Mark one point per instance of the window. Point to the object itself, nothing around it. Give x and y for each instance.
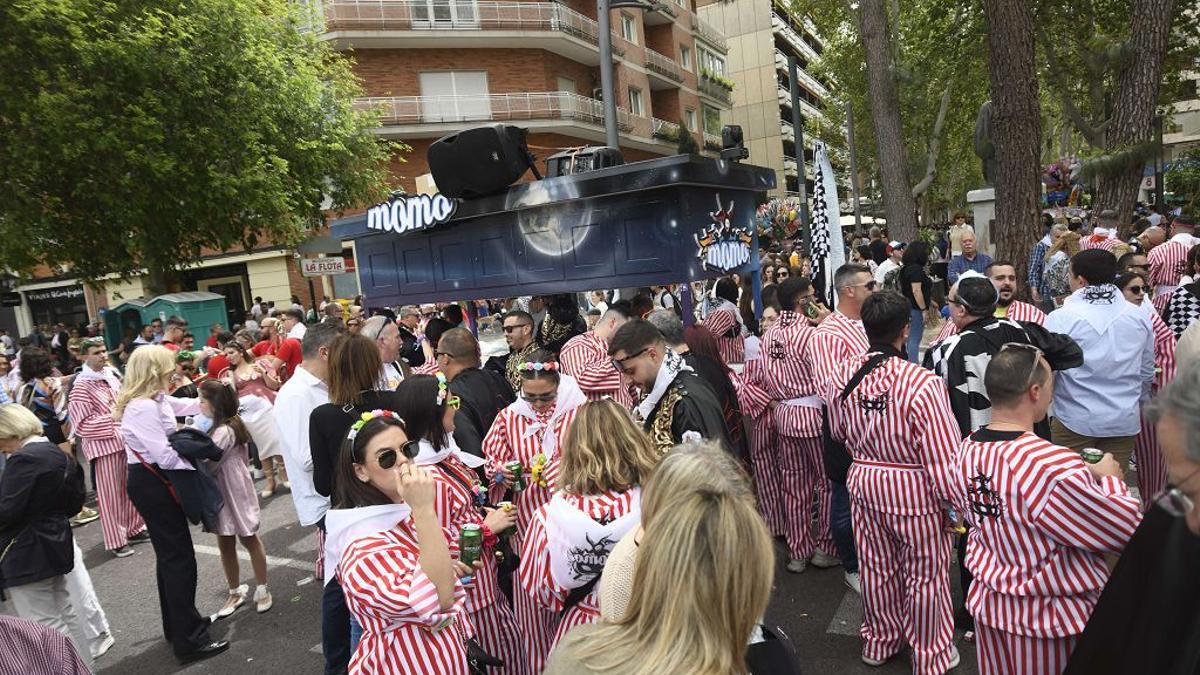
(568, 85)
(454, 96)
(710, 61)
(712, 121)
(635, 101)
(445, 14)
(628, 28)
(685, 57)
(689, 119)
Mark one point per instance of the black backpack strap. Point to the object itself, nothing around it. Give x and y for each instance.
(578, 594)
(871, 364)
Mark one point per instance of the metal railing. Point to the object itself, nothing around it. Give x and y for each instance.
(662, 129)
(709, 33)
(712, 141)
(457, 15)
(712, 89)
(785, 98)
(813, 84)
(780, 25)
(663, 65)
(553, 105)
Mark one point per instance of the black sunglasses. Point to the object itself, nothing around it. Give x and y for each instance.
(1137, 290)
(619, 364)
(541, 398)
(509, 329)
(387, 458)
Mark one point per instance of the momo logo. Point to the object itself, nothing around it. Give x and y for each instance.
(721, 246)
(402, 214)
(985, 502)
(588, 561)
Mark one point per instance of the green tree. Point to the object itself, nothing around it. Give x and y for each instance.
(136, 132)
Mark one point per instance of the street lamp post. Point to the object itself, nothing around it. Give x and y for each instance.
(607, 86)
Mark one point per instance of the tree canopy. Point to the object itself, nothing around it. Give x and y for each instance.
(136, 132)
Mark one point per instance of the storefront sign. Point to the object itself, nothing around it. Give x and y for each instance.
(410, 213)
(69, 293)
(10, 299)
(316, 267)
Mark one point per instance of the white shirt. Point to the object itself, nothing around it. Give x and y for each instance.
(1101, 397)
(293, 405)
(885, 267)
(298, 331)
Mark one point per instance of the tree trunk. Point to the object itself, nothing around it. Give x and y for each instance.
(1016, 130)
(1133, 111)
(899, 207)
(935, 146)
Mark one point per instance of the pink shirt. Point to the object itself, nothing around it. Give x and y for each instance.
(146, 424)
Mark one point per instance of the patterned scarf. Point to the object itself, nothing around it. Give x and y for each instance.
(672, 365)
(515, 359)
(552, 330)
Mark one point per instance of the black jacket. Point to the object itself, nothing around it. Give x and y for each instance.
(198, 492)
(713, 373)
(327, 428)
(484, 393)
(696, 410)
(39, 490)
(410, 348)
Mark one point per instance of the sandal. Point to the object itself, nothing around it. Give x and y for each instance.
(262, 599)
(237, 598)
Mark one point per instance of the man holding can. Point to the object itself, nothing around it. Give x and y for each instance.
(1041, 520)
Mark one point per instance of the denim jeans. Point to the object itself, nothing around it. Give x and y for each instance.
(335, 629)
(356, 633)
(843, 530)
(916, 329)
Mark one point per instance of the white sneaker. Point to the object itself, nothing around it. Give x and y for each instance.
(796, 566)
(852, 582)
(874, 662)
(822, 560)
(105, 645)
(955, 659)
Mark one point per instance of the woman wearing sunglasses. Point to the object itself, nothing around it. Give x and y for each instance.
(529, 432)
(387, 544)
(1152, 472)
(428, 409)
(605, 460)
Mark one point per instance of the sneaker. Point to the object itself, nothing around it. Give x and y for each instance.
(267, 494)
(797, 565)
(105, 645)
(852, 582)
(84, 517)
(140, 538)
(262, 599)
(123, 552)
(822, 560)
(237, 598)
(874, 662)
(955, 659)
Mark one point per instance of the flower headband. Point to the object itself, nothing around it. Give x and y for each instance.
(367, 417)
(537, 367)
(442, 388)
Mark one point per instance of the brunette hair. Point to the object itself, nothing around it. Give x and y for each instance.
(540, 356)
(224, 403)
(354, 367)
(419, 407)
(348, 491)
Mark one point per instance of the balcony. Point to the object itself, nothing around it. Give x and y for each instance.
(443, 24)
(715, 90)
(806, 108)
(664, 71)
(450, 112)
(659, 14)
(808, 81)
(780, 27)
(707, 32)
(713, 142)
(664, 130)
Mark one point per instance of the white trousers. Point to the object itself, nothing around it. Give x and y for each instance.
(85, 602)
(49, 603)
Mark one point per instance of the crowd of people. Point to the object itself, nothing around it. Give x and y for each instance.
(602, 496)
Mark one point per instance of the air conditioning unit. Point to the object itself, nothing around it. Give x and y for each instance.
(598, 93)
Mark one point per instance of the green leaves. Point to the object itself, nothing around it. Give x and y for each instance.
(136, 132)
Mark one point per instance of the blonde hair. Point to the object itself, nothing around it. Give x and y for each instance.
(17, 421)
(703, 576)
(604, 450)
(1068, 243)
(144, 374)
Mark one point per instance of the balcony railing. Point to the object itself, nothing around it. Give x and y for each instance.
(405, 15)
(709, 33)
(712, 89)
(664, 130)
(712, 142)
(809, 81)
(785, 99)
(555, 105)
(780, 25)
(663, 65)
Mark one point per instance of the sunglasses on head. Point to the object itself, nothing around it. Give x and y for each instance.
(1028, 348)
(387, 458)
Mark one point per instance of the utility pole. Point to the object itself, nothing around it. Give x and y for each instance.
(798, 128)
(611, 137)
(854, 190)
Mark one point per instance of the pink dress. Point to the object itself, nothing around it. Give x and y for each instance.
(240, 515)
(254, 385)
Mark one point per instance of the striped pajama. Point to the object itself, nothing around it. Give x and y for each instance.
(801, 480)
(1002, 653)
(767, 482)
(118, 517)
(1151, 468)
(496, 631)
(537, 624)
(904, 568)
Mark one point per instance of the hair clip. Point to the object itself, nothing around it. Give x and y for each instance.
(367, 417)
(537, 366)
(443, 388)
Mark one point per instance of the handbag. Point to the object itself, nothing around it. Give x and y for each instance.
(775, 655)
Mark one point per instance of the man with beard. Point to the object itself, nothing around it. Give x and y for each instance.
(1004, 278)
(678, 406)
(518, 333)
(483, 392)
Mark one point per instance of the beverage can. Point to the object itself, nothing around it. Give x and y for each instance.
(1091, 455)
(516, 467)
(470, 544)
(507, 506)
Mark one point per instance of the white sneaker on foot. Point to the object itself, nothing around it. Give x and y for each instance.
(796, 566)
(822, 560)
(852, 582)
(874, 662)
(955, 659)
(105, 645)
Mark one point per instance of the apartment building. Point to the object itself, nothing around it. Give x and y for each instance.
(433, 67)
(762, 34)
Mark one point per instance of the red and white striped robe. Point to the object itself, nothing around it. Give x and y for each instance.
(585, 358)
(405, 631)
(720, 322)
(787, 378)
(536, 580)
(1017, 311)
(493, 621)
(1167, 262)
(1151, 467)
(430, 367)
(763, 461)
(89, 406)
(1098, 242)
(1040, 524)
(898, 426)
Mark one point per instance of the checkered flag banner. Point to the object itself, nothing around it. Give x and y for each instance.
(828, 251)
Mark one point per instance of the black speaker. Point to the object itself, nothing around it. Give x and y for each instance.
(480, 161)
(582, 160)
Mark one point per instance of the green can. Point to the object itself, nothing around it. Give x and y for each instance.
(1091, 455)
(470, 544)
(519, 469)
